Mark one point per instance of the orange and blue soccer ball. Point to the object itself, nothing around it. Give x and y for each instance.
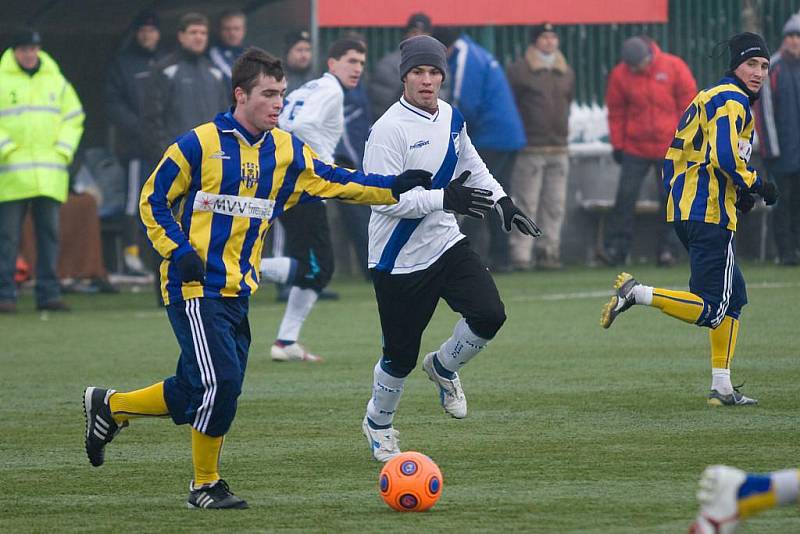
(410, 482)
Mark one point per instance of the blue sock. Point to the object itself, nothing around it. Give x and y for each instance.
(440, 368)
(376, 426)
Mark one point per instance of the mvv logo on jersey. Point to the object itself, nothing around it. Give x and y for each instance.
(235, 206)
(250, 174)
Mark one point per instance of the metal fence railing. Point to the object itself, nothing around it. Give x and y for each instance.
(693, 32)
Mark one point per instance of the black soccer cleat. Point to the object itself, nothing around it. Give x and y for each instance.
(735, 398)
(216, 496)
(621, 300)
(100, 426)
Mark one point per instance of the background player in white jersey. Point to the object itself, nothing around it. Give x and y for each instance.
(314, 113)
(417, 254)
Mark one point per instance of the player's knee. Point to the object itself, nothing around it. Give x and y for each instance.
(398, 368)
(489, 322)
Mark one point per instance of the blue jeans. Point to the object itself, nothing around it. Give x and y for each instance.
(45, 221)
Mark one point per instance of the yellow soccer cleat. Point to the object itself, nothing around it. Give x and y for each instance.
(621, 300)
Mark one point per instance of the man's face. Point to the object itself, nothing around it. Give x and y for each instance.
(791, 44)
(194, 38)
(260, 109)
(641, 67)
(753, 72)
(348, 68)
(547, 42)
(299, 56)
(148, 37)
(421, 87)
(232, 31)
(27, 56)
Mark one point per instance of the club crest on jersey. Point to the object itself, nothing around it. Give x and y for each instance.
(250, 174)
(455, 137)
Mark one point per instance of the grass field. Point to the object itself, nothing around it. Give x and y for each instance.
(571, 428)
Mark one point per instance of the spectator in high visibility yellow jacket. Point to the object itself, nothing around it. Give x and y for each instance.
(41, 123)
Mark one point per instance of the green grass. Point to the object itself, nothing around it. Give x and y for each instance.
(571, 428)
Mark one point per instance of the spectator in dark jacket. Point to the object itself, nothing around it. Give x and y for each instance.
(647, 93)
(480, 90)
(124, 99)
(543, 85)
(185, 89)
(299, 61)
(385, 86)
(232, 30)
(778, 124)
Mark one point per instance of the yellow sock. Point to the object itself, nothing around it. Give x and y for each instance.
(723, 342)
(679, 304)
(205, 457)
(148, 401)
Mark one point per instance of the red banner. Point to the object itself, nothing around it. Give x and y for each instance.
(333, 13)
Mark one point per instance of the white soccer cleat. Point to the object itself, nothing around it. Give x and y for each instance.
(292, 353)
(451, 394)
(719, 509)
(383, 442)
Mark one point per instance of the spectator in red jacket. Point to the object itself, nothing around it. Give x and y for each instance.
(647, 93)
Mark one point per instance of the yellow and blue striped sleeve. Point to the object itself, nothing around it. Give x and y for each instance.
(729, 122)
(321, 180)
(170, 180)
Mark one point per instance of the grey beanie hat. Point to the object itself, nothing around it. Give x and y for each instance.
(792, 26)
(635, 50)
(422, 50)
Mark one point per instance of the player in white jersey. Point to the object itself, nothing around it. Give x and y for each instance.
(315, 113)
(417, 254)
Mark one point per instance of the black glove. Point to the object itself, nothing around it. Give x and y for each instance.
(191, 268)
(768, 191)
(744, 201)
(409, 180)
(512, 215)
(470, 201)
(617, 155)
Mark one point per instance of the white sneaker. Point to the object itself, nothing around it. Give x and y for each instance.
(292, 353)
(383, 442)
(451, 394)
(719, 509)
(134, 264)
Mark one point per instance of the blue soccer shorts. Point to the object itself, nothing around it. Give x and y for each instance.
(214, 336)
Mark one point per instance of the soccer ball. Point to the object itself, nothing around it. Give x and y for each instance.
(410, 482)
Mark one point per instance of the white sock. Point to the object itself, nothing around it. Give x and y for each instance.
(461, 347)
(297, 309)
(386, 392)
(786, 486)
(721, 380)
(643, 294)
(276, 269)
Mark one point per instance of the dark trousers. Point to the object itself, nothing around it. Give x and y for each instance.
(487, 235)
(308, 240)
(786, 218)
(619, 232)
(406, 303)
(45, 221)
(356, 225)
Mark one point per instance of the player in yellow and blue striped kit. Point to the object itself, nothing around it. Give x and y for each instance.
(230, 179)
(707, 178)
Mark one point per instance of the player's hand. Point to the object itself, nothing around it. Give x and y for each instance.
(410, 179)
(191, 268)
(511, 215)
(768, 191)
(470, 201)
(744, 201)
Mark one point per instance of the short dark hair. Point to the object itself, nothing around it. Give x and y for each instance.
(192, 19)
(231, 13)
(342, 46)
(251, 65)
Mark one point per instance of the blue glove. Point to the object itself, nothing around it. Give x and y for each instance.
(191, 268)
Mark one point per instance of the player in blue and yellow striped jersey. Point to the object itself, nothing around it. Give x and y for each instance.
(227, 181)
(707, 178)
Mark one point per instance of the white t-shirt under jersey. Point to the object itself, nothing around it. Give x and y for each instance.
(314, 112)
(412, 234)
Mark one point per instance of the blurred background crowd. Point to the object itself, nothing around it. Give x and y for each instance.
(571, 107)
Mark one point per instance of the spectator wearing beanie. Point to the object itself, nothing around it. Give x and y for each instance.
(543, 85)
(777, 120)
(298, 65)
(647, 93)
